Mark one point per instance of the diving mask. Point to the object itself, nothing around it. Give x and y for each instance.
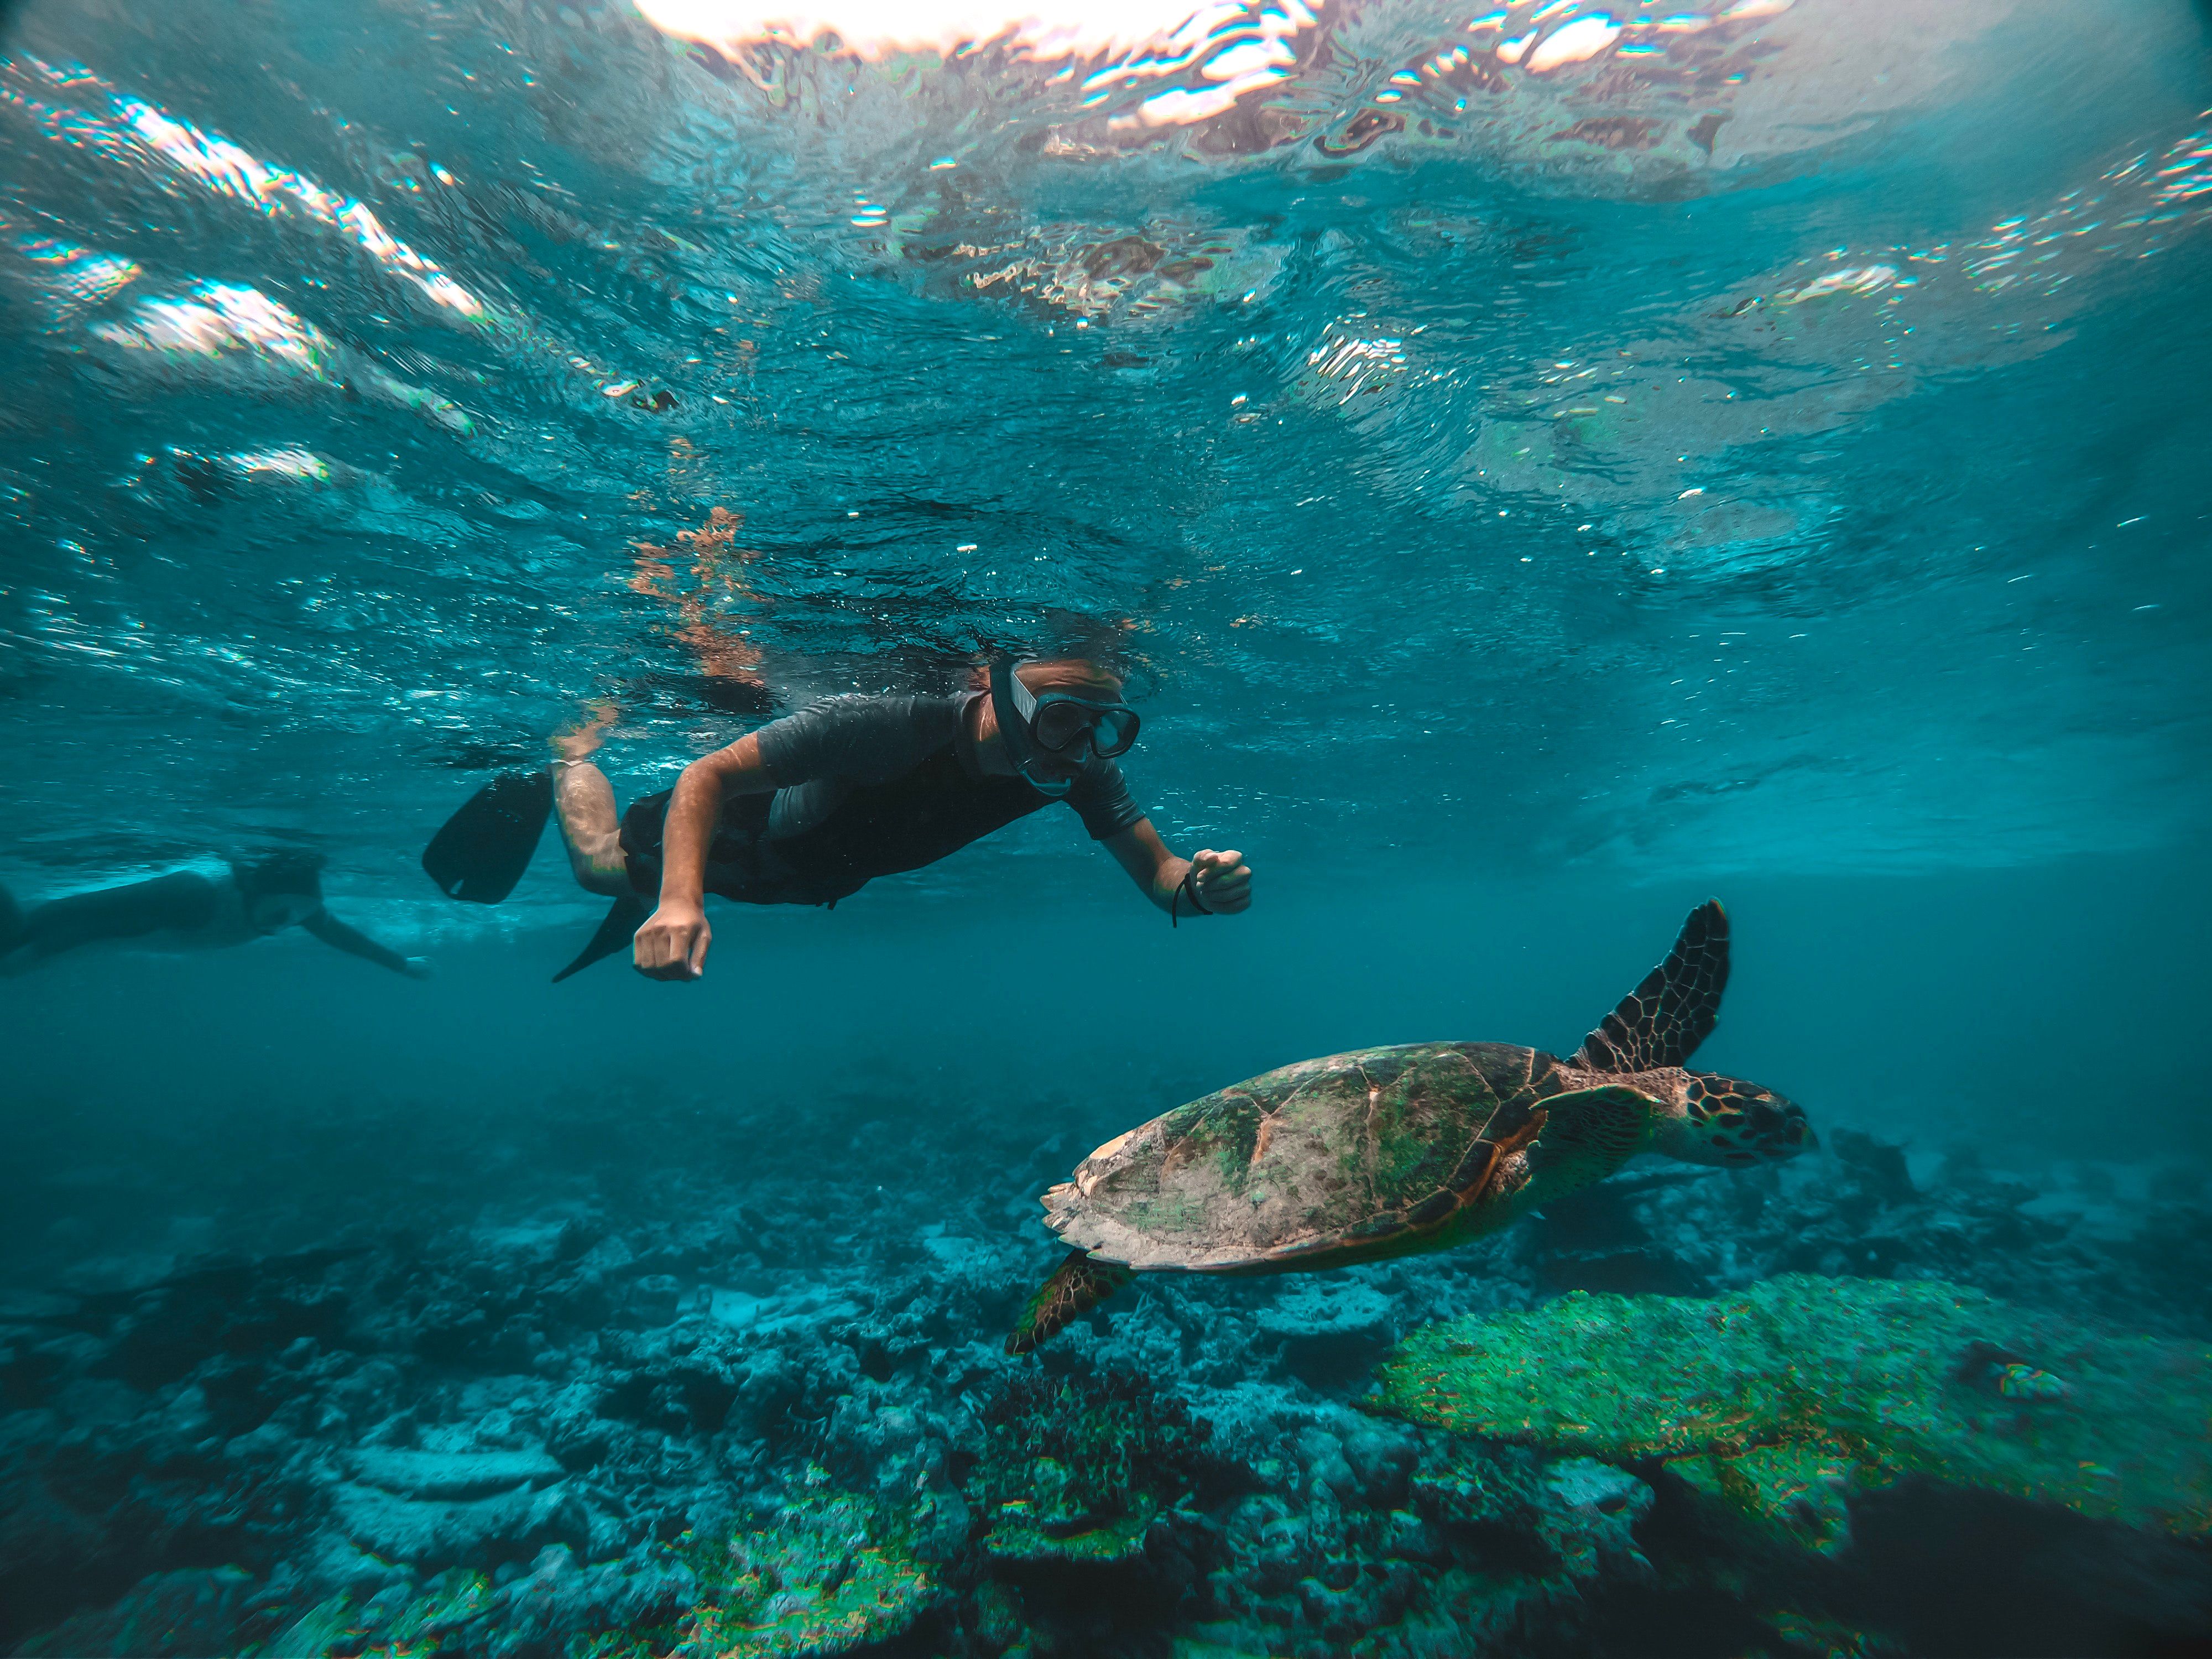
(1059, 723)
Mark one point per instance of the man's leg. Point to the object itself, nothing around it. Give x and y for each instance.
(183, 901)
(584, 801)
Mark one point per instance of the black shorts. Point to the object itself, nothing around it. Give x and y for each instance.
(742, 862)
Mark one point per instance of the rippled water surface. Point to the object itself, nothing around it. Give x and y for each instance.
(1768, 442)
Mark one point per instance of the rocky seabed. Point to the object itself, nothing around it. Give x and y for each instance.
(768, 1412)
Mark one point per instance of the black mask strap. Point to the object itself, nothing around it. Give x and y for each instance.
(1014, 732)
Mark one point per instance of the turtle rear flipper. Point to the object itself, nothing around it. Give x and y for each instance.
(1662, 1021)
(1585, 1137)
(1077, 1285)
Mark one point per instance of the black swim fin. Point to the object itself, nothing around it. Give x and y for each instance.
(624, 918)
(483, 849)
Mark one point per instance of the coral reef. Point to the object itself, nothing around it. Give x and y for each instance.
(1075, 1466)
(831, 1575)
(1787, 1398)
(536, 1428)
(1384, 1544)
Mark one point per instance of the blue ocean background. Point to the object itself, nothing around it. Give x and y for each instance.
(1525, 510)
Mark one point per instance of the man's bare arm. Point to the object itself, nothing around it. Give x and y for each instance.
(672, 944)
(1223, 880)
(354, 943)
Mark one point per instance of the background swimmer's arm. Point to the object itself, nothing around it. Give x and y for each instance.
(672, 944)
(332, 932)
(1223, 881)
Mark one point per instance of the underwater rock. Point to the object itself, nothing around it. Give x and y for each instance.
(1331, 1331)
(184, 1614)
(1055, 1520)
(1592, 1523)
(1880, 1165)
(1076, 1467)
(626, 1608)
(349, 1398)
(1445, 1545)
(395, 1621)
(429, 1532)
(832, 1576)
(452, 1474)
(1784, 1402)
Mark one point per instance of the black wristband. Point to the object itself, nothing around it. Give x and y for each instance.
(1187, 889)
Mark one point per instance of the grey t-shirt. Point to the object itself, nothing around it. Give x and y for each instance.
(818, 756)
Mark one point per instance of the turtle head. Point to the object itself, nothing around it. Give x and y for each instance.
(1723, 1121)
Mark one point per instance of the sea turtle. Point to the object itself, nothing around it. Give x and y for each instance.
(1390, 1152)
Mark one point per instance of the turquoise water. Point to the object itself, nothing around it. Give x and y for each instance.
(1538, 470)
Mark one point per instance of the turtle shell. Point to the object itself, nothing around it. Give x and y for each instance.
(1375, 1153)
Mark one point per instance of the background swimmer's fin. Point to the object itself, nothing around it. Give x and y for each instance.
(1077, 1285)
(483, 849)
(1662, 1021)
(624, 918)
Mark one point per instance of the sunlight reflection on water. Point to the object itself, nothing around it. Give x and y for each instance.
(1505, 360)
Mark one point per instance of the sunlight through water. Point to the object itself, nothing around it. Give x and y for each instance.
(1495, 327)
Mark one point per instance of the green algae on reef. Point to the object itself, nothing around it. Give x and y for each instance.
(829, 1576)
(1781, 1401)
(1076, 1468)
(832, 1574)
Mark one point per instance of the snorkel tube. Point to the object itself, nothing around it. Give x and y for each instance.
(1013, 707)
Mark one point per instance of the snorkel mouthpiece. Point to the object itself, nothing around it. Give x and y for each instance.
(1014, 707)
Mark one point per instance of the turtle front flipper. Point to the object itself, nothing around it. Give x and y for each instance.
(1077, 1285)
(1662, 1021)
(1585, 1137)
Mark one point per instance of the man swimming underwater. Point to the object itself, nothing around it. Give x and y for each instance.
(189, 909)
(811, 807)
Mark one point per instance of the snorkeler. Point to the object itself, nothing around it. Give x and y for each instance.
(809, 809)
(190, 910)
